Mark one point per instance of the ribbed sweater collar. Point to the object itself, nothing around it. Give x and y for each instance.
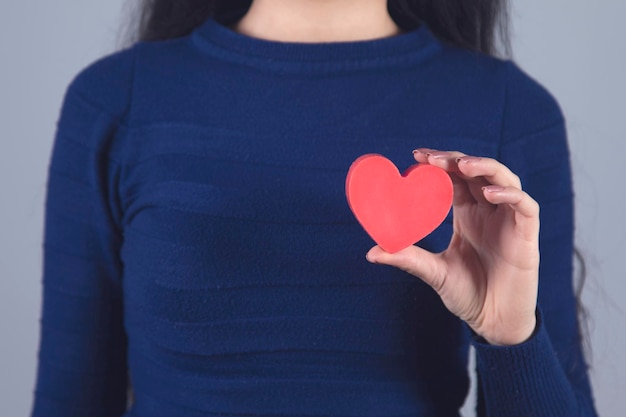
(408, 47)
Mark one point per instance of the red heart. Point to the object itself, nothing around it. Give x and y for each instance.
(397, 210)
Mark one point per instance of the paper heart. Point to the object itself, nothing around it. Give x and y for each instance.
(397, 210)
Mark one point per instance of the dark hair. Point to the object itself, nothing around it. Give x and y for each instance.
(582, 312)
(478, 25)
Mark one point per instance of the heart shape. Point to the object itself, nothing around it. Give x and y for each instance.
(397, 210)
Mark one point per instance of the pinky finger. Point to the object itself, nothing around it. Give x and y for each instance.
(518, 199)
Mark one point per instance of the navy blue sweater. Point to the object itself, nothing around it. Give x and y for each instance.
(198, 244)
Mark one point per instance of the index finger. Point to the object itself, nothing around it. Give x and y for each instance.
(493, 171)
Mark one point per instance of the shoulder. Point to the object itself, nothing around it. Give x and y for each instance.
(106, 83)
(528, 104)
(496, 95)
(520, 95)
(119, 81)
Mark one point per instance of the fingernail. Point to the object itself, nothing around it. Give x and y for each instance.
(466, 159)
(422, 150)
(493, 188)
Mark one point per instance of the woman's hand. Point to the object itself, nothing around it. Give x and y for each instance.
(488, 275)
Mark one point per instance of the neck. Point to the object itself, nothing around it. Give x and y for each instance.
(317, 20)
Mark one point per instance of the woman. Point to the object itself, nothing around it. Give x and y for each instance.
(199, 248)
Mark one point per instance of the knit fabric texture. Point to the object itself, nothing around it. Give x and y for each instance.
(198, 244)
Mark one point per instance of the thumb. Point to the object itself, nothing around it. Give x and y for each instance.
(414, 260)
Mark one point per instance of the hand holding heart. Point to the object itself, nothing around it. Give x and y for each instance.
(488, 275)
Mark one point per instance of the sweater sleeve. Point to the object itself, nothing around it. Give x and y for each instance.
(81, 370)
(546, 375)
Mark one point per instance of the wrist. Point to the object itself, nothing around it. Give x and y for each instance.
(506, 334)
(512, 337)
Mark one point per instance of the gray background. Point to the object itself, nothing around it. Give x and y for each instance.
(575, 48)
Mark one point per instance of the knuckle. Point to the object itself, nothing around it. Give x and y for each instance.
(516, 180)
(533, 205)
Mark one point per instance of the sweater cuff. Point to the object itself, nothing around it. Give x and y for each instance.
(524, 379)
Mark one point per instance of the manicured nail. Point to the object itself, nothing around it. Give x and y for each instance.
(466, 159)
(422, 150)
(493, 188)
